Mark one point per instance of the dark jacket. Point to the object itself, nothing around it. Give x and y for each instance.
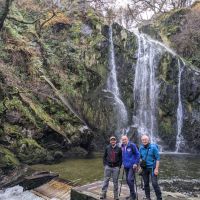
(112, 156)
(130, 155)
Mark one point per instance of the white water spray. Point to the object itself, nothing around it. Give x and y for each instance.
(112, 86)
(17, 193)
(179, 137)
(146, 86)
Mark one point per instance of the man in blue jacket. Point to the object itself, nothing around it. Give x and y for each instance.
(150, 160)
(130, 160)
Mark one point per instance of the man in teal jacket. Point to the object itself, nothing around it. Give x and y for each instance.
(149, 155)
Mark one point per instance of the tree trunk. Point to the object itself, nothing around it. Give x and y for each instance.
(4, 10)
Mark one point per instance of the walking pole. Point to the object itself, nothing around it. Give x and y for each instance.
(136, 186)
(121, 182)
(142, 186)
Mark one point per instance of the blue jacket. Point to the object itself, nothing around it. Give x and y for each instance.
(130, 155)
(153, 155)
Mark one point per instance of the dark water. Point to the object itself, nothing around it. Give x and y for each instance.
(81, 171)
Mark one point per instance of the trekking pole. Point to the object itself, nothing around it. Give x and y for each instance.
(142, 186)
(121, 182)
(136, 187)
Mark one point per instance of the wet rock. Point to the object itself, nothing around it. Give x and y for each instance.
(37, 179)
(29, 151)
(190, 187)
(13, 117)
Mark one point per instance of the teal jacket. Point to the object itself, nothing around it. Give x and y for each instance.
(153, 155)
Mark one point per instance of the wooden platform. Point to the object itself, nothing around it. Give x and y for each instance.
(92, 192)
(59, 189)
(56, 188)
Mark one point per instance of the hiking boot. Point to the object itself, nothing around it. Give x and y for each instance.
(102, 196)
(130, 198)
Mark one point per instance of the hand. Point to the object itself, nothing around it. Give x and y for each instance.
(134, 166)
(156, 171)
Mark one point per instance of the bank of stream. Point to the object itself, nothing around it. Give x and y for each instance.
(176, 168)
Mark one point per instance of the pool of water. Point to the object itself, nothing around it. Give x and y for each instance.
(81, 171)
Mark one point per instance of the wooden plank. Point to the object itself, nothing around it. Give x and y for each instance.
(92, 192)
(61, 189)
(56, 188)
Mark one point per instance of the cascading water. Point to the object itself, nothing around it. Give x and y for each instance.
(112, 86)
(17, 193)
(179, 137)
(146, 86)
(146, 89)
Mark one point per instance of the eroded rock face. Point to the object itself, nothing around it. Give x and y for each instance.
(73, 54)
(36, 125)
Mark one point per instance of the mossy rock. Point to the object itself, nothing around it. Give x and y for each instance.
(7, 158)
(29, 151)
(12, 130)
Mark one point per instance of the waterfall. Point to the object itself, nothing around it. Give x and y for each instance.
(112, 86)
(146, 86)
(179, 137)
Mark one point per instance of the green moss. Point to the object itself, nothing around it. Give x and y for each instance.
(12, 32)
(41, 114)
(29, 151)
(2, 107)
(12, 130)
(166, 127)
(30, 143)
(7, 158)
(165, 67)
(16, 103)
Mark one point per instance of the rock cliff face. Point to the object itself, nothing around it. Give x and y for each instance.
(178, 29)
(53, 81)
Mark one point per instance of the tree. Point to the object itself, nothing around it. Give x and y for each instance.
(4, 10)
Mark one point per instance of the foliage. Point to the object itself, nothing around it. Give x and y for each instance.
(7, 158)
(29, 151)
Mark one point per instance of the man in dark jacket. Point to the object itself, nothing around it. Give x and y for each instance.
(130, 159)
(150, 154)
(112, 161)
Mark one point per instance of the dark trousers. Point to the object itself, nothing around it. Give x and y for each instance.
(130, 181)
(146, 175)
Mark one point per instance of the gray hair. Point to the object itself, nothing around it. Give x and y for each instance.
(145, 134)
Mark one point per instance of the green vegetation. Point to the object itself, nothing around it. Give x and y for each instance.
(7, 158)
(29, 151)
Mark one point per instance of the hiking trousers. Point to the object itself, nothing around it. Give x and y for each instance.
(111, 172)
(146, 174)
(130, 174)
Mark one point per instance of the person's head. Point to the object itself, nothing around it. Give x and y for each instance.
(145, 139)
(124, 140)
(113, 140)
